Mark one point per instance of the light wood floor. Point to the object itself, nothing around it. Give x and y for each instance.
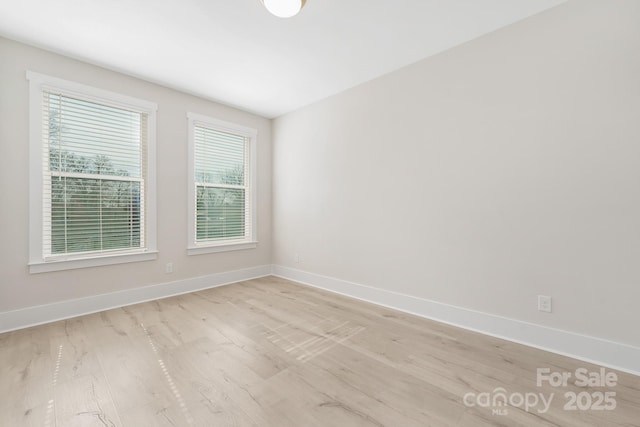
(269, 352)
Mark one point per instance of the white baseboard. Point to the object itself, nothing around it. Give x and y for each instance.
(32, 316)
(610, 354)
(590, 349)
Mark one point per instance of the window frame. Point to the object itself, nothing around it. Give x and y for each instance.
(38, 83)
(250, 241)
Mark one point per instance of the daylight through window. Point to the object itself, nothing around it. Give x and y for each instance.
(94, 190)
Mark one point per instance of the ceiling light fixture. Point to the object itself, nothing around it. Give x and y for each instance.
(284, 8)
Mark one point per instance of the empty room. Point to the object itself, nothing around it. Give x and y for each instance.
(298, 213)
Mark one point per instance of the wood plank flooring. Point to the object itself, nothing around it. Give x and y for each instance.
(270, 352)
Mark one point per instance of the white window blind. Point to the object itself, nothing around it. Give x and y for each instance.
(94, 171)
(223, 202)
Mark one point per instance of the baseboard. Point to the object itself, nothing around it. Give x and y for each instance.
(32, 316)
(590, 349)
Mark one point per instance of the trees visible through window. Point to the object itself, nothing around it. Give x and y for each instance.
(95, 176)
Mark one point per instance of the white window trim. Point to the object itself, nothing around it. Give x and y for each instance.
(193, 247)
(37, 264)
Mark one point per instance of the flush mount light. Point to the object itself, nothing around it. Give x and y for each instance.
(284, 8)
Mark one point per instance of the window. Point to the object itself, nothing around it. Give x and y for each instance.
(221, 186)
(92, 176)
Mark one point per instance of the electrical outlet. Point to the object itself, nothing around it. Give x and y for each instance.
(544, 303)
(296, 258)
(168, 269)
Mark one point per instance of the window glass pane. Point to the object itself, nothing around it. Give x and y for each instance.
(94, 215)
(85, 137)
(90, 214)
(220, 213)
(219, 157)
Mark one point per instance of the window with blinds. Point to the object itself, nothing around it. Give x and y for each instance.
(94, 190)
(222, 193)
(94, 173)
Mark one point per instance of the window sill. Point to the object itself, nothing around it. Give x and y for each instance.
(70, 264)
(198, 250)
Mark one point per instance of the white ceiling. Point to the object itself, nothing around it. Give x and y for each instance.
(235, 52)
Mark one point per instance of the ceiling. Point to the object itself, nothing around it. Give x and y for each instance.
(236, 53)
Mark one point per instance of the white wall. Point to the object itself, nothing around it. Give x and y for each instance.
(502, 169)
(18, 288)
